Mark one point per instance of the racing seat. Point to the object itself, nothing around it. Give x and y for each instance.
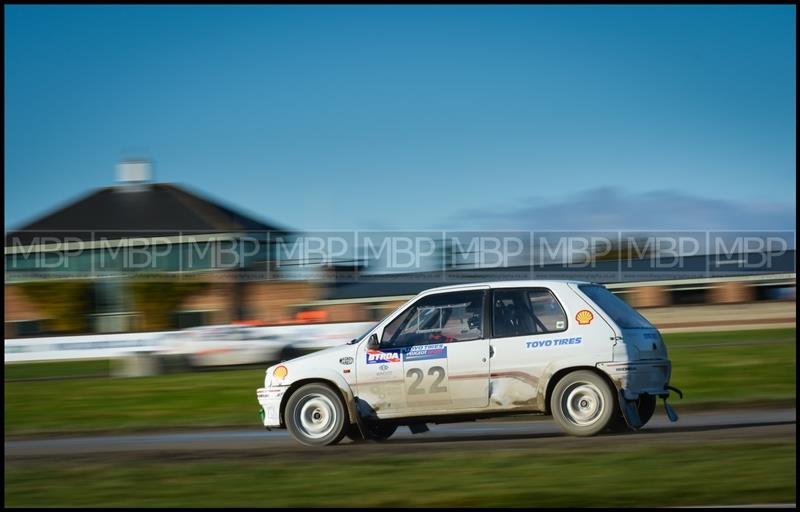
(506, 321)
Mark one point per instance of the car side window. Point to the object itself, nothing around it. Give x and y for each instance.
(440, 318)
(548, 310)
(522, 312)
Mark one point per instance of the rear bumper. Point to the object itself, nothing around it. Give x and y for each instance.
(270, 401)
(633, 378)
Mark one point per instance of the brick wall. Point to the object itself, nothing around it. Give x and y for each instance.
(648, 297)
(277, 300)
(17, 308)
(217, 298)
(731, 293)
(360, 312)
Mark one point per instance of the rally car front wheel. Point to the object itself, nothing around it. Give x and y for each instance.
(315, 415)
(582, 403)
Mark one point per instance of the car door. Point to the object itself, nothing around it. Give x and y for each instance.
(380, 385)
(444, 354)
(529, 328)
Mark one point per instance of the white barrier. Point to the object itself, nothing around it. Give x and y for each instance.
(110, 346)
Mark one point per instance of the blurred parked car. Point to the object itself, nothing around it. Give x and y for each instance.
(225, 345)
(251, 343)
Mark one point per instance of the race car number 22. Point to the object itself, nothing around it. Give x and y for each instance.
(416, 386)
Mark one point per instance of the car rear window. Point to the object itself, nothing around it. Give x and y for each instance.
(620, 312)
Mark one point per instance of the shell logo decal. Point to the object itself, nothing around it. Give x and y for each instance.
(280, 372)
(584, 317)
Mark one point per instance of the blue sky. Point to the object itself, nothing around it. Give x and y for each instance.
(414, 117)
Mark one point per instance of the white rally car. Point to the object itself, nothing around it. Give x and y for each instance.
(568, 349)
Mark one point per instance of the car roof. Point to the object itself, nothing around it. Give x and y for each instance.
(504, 284)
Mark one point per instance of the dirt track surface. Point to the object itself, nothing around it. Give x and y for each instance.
(528, 433)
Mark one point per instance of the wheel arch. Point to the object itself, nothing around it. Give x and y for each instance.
(344, 396)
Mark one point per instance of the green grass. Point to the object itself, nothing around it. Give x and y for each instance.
(762, 371)
(756, 366)
(685, 474)
(195, 400)
(788, 334)
(95, 368)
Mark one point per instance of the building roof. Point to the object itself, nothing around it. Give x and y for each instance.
(154, 209)
(607, 271)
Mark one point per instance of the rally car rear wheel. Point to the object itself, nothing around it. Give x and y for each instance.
(582, 403)
(315, 415)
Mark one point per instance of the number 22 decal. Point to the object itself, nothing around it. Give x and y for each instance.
(417, 375)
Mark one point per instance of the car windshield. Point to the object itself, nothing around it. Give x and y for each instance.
(620, 312)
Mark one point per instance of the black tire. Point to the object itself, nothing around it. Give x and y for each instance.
(316, 416)
(380, 431)
(583, 403)
(375, 432)
(645, 404)
(647, 407)
(353, 433)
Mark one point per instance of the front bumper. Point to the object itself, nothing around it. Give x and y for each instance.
(634, 378)
(270, 401)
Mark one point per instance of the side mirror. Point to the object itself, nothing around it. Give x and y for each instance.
(373, 342)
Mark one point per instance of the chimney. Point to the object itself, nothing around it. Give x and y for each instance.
(133, 175)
